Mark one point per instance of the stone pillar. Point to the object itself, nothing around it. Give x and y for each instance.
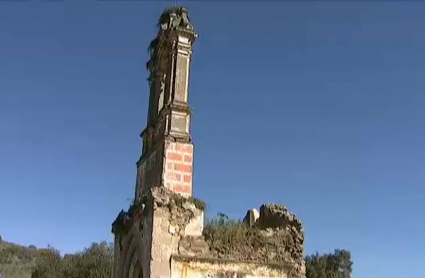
(167, 155)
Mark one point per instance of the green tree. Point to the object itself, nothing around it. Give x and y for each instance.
(332, 265)
(95, 261)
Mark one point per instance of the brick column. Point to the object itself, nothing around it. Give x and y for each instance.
(178, 167)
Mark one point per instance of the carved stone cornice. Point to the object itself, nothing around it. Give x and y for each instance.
(169, 66)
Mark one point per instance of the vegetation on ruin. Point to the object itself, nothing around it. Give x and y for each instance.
(180, 200)
(199, 204)
(235, 239)
(224, 235)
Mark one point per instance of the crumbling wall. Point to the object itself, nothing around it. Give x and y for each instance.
(276, 220)
(172, 225)
(273, 235)
(149, 171)
(165, 223)
(174, 219)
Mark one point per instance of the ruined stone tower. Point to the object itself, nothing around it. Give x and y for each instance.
(162, 234)
(166, 163)
(167, 154)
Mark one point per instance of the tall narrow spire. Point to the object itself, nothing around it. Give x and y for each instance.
(167, 153)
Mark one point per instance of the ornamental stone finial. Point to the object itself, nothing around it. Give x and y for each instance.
(175, 17)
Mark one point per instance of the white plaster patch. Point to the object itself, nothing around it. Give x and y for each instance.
(198, 268)
(172, 229)
(196, 224)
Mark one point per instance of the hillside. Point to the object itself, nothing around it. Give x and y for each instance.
(16, 261)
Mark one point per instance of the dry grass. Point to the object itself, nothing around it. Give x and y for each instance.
(17, 261)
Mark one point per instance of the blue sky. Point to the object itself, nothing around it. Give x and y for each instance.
(316, 105)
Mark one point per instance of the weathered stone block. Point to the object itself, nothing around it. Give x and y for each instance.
(274, 216)
(187, 267)
(160, 269)
(251, 217)
(196, 223)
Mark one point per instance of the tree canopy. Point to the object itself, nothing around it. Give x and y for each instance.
(332, 265)
(93, 262)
